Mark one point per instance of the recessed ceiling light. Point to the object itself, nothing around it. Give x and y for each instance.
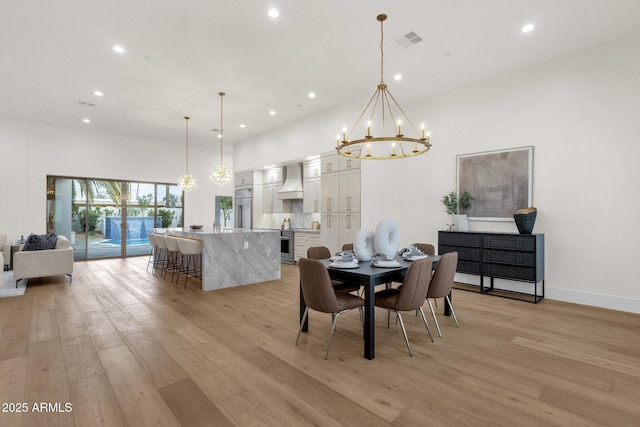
(242, 125)
(86, 120)
(397, 77)
(273, 113)
(273, 13)
(98, 93)
(312, 95)
(528, 28)
(118, 48)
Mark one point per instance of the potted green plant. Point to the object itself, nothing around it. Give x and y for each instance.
(457, 208)
(464, 203)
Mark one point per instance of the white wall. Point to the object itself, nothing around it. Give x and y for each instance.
(30, 152)
(579, 112)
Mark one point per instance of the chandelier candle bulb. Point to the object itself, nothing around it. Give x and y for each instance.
(369, 129)
(399, 127)
(368, 150)
(423, 131)
(393, 148)
(344, 134)
(337, 141)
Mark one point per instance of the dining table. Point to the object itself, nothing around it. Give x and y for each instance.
(369, 276)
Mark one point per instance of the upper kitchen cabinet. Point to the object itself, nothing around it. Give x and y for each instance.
(330, 163)
(244, 179)
(348, 163)
(312, 187)
(270, 201)
(272, 184)
(273, 175)
(312, 169)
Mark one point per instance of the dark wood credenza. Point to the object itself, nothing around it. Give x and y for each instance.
(510, 256)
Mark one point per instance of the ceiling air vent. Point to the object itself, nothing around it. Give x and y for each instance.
(409, 39)
(86, 104)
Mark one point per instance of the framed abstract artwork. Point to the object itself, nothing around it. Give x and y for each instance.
(500, 181)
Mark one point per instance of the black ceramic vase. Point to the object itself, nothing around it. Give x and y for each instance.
(525, 219)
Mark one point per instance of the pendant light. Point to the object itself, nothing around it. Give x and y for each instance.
(221, 174)
(187, 182)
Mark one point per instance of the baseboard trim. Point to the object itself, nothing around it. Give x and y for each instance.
(630, 305)
(611, 302)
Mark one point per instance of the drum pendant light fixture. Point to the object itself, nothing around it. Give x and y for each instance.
(382, 137)
(221, 174)
(187, 182)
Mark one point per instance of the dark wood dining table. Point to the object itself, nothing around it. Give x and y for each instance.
(368, 277)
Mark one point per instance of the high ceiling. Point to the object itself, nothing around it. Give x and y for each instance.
(180, 54)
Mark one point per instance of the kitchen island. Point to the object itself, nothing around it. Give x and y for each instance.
(234, 257)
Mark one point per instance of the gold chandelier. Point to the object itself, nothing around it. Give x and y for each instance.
(187, 182)
(393, 144)
(221, 173)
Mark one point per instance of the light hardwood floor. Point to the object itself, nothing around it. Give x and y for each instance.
(126, 348)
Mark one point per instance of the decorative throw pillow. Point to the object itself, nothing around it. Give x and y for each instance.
(40, 242)
(51, 239)
(33, 243)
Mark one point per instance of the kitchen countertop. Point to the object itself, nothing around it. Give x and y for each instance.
(305, 230)
(210, 230)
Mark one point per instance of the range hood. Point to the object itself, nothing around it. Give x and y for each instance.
(292, 187)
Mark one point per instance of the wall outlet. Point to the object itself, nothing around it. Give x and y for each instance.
(246, 245)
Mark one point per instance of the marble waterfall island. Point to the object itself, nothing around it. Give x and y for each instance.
(233, 257)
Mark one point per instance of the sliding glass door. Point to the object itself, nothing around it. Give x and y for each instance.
(108, 218)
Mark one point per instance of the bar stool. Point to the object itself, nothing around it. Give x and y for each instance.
(173, 254)
(154, 250)
(192, 250)
(161, 253)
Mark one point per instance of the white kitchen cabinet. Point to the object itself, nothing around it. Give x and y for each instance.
(349, 226)
(273, 175)
(330, 191)
(272, 179)
(340, 203)
(330, 163)
(300, 245)
(312, 193)
(330, 234)
(348, 163)
(304, 241)
(314, 240)
(312, 169)
(244, 179)
(349, 190)
(270, 201)
(311, 185)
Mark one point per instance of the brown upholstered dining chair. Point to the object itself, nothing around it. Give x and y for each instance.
(442, 282)
(322, 252)
(347, 247)
(319, 295)
(426, 248)
(410, 296)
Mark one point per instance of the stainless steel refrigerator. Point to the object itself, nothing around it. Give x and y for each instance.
(242, 210)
